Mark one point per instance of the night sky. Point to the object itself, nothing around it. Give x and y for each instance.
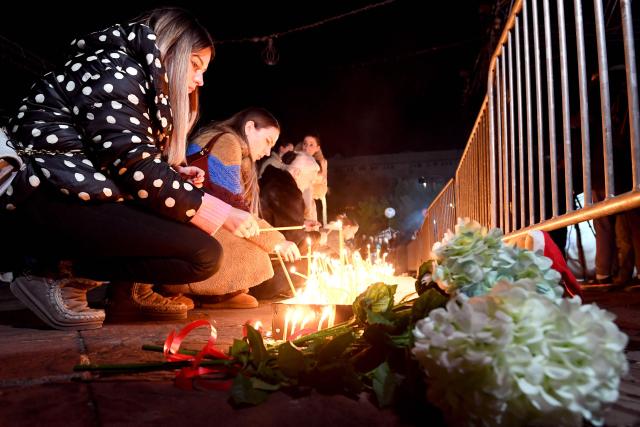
(388, 79)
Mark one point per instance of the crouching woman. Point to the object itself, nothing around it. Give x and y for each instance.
(228, 151)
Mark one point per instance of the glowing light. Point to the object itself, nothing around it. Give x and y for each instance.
(334, 282)
(331, 282)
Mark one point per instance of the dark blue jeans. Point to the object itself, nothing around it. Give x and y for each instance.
(107, 241)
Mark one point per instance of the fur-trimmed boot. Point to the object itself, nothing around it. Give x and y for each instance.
(60, 303)
(139, 302)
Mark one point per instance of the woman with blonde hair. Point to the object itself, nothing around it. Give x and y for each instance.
(105, 184)
(229, 150)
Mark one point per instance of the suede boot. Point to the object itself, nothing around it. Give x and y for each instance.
(238, 299)
(138, 302)
(177, 297)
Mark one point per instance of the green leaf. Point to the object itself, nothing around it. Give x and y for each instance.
(258, 350)
(267, 372)
(335, 348)
(238, 347)
(259, 384)
(243, 392)
(290, 360)
(377, 336)
(384, 384)
(368, 359)
(403, 340)
(239, 350)
(377, 298)
(425, 268)
(426, 302)
(378, 319)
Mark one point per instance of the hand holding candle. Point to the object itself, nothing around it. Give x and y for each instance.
(286, 272)
(289, 251)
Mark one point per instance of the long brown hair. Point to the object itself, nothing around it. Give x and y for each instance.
(178, 35)
(235, 126)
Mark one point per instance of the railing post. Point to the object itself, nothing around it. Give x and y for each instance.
(584, 104)
(566, 125)
(605, 103)
(632, 90)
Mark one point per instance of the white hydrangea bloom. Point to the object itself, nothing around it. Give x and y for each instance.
(474, 259)
(514, 354)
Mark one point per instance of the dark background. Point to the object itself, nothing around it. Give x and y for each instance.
(404, 76)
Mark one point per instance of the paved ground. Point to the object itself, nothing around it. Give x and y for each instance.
(38, 386)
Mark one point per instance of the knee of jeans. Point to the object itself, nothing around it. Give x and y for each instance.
(207, 260)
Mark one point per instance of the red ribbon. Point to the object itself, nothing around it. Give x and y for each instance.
(184, 378)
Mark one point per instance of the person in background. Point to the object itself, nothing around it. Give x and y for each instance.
(311, 145)
(229, 150)
(275, 159)
(282, 202)
(330, 237)
(105, 188)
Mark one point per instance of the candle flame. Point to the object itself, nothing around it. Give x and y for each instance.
(298, 318)
(331, 282)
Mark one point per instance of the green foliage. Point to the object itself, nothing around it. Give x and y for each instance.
(425, 268)
(258, 350)
(334, 348)
(244, 393)
(374, 304)
(429, 300)
(369, 353)
(290, 360)
(384, 384)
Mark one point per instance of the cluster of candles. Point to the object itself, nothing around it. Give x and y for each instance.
(329, 282)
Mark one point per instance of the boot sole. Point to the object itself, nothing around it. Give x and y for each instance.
(34, 305)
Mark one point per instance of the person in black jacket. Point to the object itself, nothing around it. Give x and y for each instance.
(103, 139)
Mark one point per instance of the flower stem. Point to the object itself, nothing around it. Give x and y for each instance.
(146, 367)
(335, 330)
(160, 349)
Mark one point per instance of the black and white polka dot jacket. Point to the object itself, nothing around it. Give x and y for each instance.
(95, 129)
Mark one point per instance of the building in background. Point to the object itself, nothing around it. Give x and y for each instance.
(364, 186)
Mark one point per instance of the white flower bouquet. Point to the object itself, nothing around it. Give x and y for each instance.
(507, 349)
(474, 259)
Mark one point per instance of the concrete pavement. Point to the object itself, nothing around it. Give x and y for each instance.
(38, 385)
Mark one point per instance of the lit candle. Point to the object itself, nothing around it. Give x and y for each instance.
(293, 271)
(340, 241)
(368, 252)
(308, 256)
(286, 272)
(287, 315)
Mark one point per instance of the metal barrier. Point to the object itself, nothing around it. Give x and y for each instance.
(440, 217)
(555, 122)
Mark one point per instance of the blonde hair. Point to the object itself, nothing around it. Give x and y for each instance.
(248, 168)
(179, 34)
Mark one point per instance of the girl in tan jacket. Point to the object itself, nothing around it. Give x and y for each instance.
(228, 152)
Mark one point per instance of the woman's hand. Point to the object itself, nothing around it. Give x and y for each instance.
(289, 251)
(241, 223)
(193, 174)
(311, 225)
